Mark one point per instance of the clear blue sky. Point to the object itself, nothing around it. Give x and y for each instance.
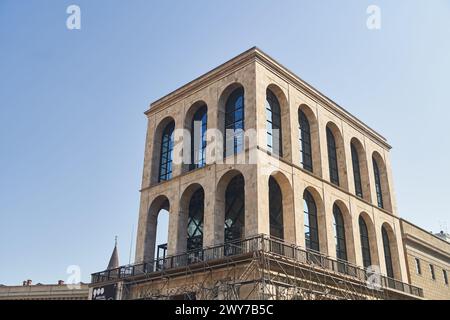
(72, 127)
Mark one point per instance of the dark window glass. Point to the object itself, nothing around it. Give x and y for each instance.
(332, 158)
(311, 225)
(273, 123)
(418, 267)
(365, 243)
(275, 209)
(166, 156)
(198, 138)
(339, 234)
(195, 221)
(356, 171)
(235, 209)
(305, 142)
(433, 275)
(387, 253)
(444, 274)
(378, 188)
(234, 123)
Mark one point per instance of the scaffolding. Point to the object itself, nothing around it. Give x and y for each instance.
(258, 268)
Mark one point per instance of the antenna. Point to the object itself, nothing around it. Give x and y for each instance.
(131, 244)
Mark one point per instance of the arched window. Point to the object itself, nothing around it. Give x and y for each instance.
(235, 209)
(195, 221)
(365, 244)
(305, 142)
(198, 138)
(273, 124)
(378, 189)
(311, 226)
(387, 253)
(166, 155)
(356, 171)
(275, 209)
(234, 123)
(339, 233)
(332, 158)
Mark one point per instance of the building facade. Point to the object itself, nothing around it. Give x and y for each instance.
(60, 291)
(251, 162)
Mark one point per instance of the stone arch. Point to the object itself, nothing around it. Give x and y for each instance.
(222, 102)
(285, 120)
(363, 167)
(375, 260)
(156, 153)
(348, 223)
(220, 209)
(314, 132)
(188, 145)
(384, 180)
(321, 218)
(387, 230)
(340, 153)
(161, 202)
(287, 196)
(183, 215)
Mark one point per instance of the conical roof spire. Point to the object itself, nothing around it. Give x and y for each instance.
(114, 261)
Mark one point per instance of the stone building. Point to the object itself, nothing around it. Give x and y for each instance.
(59, 291)
(273, 191)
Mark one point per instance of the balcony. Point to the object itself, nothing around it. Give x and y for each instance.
(262, 244)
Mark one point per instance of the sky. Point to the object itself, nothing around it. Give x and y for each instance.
(72, 128)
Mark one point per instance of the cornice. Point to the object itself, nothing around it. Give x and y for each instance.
(252, 55)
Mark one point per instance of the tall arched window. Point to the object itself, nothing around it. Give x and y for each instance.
(387, 253)
(332, 158)
(305, 142)
(356, 171)
(166, 155)
(339, 233)
(275, 209)
(198, 138)
(195, 221)
(235, 209)
(378, 189)
(273, 123)
(234, 123)
(311, 225)
(365, 244)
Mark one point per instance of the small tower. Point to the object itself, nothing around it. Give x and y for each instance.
(114, 261)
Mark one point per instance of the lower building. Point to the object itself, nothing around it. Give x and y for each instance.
(428, 261)
(60, 291)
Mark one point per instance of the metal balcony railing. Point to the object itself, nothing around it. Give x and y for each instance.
(261, 243)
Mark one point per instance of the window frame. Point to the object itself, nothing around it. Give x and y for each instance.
(200, 115)
(365, 242)
(378, 184)
(339, 234)
(273, 122)
(356, 171)
(165, 169)
(304, 128)
(234, 119)
(333, 161)
(310, 222)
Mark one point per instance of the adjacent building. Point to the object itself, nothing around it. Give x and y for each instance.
(59, 291)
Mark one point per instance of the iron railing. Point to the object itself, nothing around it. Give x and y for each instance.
(261, 243)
